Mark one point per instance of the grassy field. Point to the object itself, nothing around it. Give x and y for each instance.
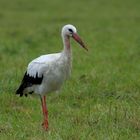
(101, 101)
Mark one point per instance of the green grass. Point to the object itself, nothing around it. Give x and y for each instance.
(101, 101)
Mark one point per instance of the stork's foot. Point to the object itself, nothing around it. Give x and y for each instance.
(45, 125)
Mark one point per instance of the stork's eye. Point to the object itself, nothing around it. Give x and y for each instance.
(70, 30)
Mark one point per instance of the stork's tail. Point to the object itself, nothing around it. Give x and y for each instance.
(21, 89)
(22, 86)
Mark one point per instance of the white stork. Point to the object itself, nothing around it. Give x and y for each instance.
(47, 73)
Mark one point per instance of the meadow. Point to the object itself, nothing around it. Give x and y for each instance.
(101, 101)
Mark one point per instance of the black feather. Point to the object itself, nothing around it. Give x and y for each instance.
(28, 81)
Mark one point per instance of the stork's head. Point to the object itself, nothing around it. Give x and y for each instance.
(70, 31)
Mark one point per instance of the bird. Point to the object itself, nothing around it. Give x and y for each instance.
(48, 72)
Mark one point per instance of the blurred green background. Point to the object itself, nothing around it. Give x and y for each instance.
(101, 101)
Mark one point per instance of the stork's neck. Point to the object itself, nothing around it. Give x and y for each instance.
(66, 43)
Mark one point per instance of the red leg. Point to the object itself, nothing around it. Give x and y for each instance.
(45, 113)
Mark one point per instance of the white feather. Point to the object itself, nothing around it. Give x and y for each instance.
(40, 64)
(55, 69)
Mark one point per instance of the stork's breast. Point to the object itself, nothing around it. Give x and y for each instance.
(56, 74)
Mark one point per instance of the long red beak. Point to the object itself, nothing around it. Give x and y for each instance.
(76, 37)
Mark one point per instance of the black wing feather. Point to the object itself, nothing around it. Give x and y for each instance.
(28, 81)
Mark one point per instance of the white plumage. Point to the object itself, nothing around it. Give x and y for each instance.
(55, 69)
(48, 72)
